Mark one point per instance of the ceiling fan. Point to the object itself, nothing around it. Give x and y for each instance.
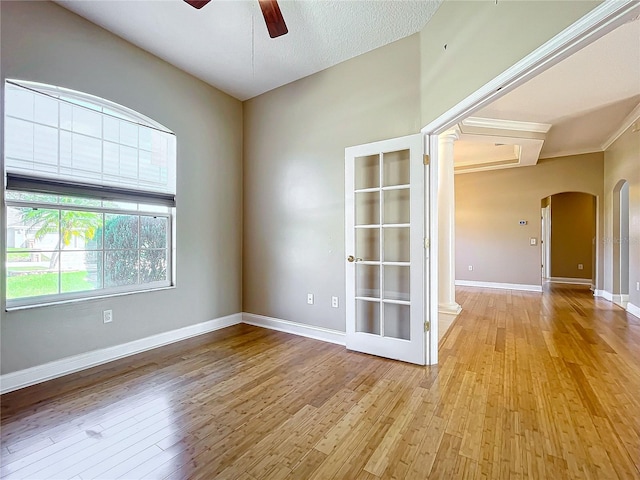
(270, 11)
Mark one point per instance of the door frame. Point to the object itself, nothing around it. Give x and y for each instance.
(546, 242)
(603, 19)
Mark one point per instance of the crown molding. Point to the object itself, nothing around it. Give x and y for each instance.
(626, 123)
(511, 125)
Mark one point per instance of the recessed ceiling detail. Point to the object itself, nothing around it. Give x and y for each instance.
(491, 144)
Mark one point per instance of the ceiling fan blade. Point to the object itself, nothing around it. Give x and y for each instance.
(273, 18)
(197, 3)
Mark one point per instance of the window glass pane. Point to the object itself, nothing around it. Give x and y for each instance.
(111, 129)
(120, 232)
(19, 102)
(129, 164)
(87, 122)
(153, 232)
(46, 110)
(153, 265)
(85, 202)
(111, 158)
(120, 268)
(128, 133)
(80, 271)
(45, 148)
(119, 205)
(66, 116)
(66, 149)
(19, 141)
(87, 156)
(154, 208)
(80, 230)
(31, 197)
(33, 228)
(29, 275)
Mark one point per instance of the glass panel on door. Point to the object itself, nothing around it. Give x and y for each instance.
(368, 317)
(396, 170)
(397, 321)
(396, 283)
(396, 244)
(368, 281)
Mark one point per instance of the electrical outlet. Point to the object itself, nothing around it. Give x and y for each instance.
(334, 302)
(310, 298)
(470, 268)
(580, 266)
(638, 286)
(107, 316)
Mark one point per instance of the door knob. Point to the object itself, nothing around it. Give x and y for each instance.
(351, 258)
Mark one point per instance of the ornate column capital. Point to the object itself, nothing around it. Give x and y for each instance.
(450, 136)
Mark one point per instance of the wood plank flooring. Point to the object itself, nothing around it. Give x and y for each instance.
(529, 386)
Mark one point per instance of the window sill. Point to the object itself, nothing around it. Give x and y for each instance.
(84, 299)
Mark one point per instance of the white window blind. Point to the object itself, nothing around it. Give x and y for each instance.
(76, 139)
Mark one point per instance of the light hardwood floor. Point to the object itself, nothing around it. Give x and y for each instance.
(529, 386)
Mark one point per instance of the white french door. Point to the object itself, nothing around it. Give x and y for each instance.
(385, 245)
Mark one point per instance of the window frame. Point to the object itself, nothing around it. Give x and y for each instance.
(44, 182)
(54, 298)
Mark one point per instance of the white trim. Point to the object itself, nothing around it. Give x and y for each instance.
(309, 331)
(571, 152)
(431, 258)
(498, 124)
(58, 368)
(575, 281)
(501, 286)
(620, 299)
(603, 294)
(598, 22)
(633, 310)
(626, 123)
(449, 309)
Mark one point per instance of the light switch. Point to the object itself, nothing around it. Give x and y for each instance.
(533, 241)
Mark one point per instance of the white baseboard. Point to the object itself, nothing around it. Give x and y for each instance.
(501, 286)
(633, 309)
(604, 294)
(317, 333)
(621, 300)
(575, 281)
(41, 373)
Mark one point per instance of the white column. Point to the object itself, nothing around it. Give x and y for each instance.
(446, 225)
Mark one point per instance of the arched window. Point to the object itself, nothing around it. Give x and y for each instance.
(89, 194)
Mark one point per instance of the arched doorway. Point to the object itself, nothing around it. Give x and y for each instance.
(621, 243)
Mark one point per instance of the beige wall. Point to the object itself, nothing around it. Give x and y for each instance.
(622, 162)
(573, 231)
(295, 138)
(41, 41)
(483, 39)
(489, 206)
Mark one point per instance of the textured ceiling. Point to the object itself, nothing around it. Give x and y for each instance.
(226, 43)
